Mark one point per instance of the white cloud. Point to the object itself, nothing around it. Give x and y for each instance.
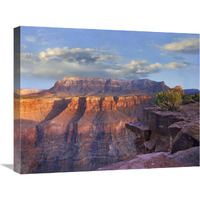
(177, 66)
(188, 46)
(77, 55)
(174, 65)
(30, 39)
(141, 68)
(59, 62)
(136, 69)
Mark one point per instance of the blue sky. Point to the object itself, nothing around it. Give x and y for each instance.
(49, 54)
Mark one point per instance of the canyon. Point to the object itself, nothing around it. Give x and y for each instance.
(79, 123)
(74, 134)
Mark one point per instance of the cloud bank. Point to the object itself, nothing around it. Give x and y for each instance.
(60, 62)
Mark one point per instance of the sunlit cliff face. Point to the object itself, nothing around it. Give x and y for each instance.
(78, 133)
(58, 132)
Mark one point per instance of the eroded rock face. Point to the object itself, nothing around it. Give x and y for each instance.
(76, 133)
(73, 86)
(169, 131)
(37, 109)
(184, 158)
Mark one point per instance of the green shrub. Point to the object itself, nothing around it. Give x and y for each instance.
(185, 97)
(196, 97)
(185, 101)
(169, 100)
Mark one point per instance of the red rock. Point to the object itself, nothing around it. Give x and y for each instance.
(77, 133)
(79, 124)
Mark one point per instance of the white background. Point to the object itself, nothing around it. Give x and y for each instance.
(149, 15)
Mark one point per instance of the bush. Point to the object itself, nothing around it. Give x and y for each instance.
(196, 97)
(178, 89)
(169, 100)
(188, 99)
(185, 97)
(185, 101)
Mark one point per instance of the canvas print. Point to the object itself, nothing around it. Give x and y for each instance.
(87, 100)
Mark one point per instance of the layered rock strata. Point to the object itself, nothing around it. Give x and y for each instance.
(73, 86)
(75, 133)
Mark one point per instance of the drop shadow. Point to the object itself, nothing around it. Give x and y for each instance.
(9, 166)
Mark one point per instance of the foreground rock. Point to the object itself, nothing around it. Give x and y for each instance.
(185, 158)
(165, 139)
(168, 131)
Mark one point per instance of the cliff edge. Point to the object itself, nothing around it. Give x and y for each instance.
(164, 139)
(168, 131)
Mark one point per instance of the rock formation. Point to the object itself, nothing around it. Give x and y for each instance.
(164, 139)
(191, 91)
(75, 133)
(83, 124)
(92, 86)
(184, 158)
(27, 91)
(167, 131)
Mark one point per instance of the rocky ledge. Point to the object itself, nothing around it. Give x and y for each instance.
(185, 158)
(164, 139)
(167, 131)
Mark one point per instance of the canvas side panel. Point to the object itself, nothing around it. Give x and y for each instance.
(17, 136)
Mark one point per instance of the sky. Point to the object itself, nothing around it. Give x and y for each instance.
(50, 54)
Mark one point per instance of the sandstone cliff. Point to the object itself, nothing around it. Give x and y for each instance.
(76, 133)
(79, 124)
(27, 91)
(73, 86)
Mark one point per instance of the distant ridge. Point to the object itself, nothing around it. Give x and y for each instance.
(27, 91)
(191, 91)
(75, 86)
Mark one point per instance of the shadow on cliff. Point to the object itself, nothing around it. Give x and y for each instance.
(73, 140)
(58, 107)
